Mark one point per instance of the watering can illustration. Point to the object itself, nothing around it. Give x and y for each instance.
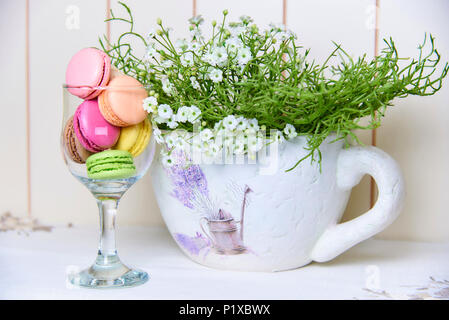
(225, 233)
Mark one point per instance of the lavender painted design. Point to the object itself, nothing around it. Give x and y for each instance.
(193, 245)
(222, 232)
(188, 180)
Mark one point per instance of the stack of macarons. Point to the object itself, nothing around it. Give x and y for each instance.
(110, 127)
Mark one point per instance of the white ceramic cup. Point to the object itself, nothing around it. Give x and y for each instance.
(235, 216)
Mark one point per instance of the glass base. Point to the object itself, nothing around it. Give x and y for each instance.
(112, 274)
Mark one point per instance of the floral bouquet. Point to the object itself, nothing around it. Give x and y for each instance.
(242, 88)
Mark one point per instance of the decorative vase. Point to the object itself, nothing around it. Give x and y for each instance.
(245, 217)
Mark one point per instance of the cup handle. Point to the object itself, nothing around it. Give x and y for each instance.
(202, 221)
(353, 163)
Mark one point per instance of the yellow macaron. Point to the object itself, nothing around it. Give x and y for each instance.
(134, 139)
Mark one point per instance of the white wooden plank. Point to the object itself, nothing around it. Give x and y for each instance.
(13, 190)
(415, 130)
(347, 22)
(58, 29)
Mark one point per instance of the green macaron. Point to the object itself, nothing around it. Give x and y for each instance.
(110, 164)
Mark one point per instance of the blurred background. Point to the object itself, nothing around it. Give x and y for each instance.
(40, 36)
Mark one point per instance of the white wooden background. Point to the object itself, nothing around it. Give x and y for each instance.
(414, 132)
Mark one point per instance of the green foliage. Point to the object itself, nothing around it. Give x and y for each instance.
(278, 85)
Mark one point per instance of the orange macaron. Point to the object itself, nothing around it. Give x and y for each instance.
(121, 104)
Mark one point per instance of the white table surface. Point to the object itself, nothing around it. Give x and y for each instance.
(35, 266)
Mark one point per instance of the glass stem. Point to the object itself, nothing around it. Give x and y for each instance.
(107, 252)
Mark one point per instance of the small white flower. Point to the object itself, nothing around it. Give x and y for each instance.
(246, 19)
(290, 131)
(210, 151)
(167, 161)
(239, 146)
(194, 114)
(243, 56)
(182, 114)
(282, 36)
(210, 58)
(195, 46)
(151, 52)
(181, 45)
(152, 100)
(151, 34)
(196, 34)
(194, 83)
(216, 75)
(158, 135)
(206, 134)
(196, 20)
(277, 27)
(150, 104)
(171, 123)
(167, 63)
(171, 140)
(165, 111)
(147, 107)
(242, 123)
(230, 123)
(255, 143)
(279, 137)
(280, 32)
(236, 30)
(183, 145)
(159, 120)
(291, 34)
(233, 44)
(250, 131)
(187, 59)
(228, 140)
(240, 139)
(167, 86)
(253, 124)
(220, 56)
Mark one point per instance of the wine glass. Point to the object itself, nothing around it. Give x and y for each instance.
(107, 270)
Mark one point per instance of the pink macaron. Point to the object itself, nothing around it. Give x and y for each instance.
(91, 129)
(88, 68)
